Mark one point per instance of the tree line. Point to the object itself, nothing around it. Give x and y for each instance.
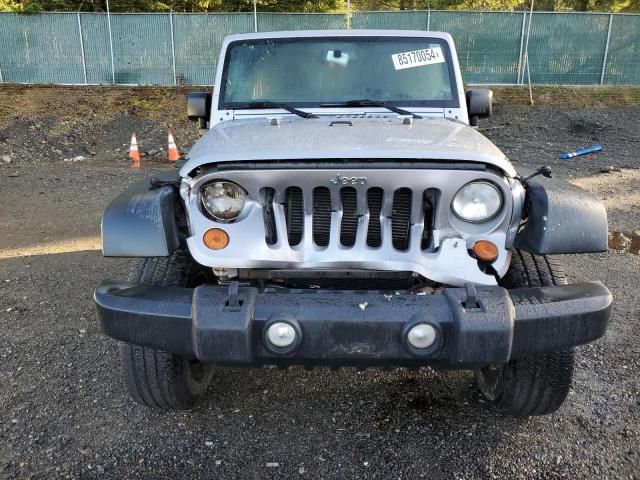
(34, 6)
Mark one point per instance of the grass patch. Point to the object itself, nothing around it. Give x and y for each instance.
(142, 104)
(568, 97)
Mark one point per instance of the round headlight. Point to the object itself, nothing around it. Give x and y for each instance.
(223, 200)
(477, 202)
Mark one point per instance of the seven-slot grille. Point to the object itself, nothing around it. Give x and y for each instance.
(351, 213)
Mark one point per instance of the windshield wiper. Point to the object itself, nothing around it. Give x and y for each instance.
(267, 104)
(371, 103)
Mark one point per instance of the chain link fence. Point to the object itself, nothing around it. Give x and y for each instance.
(182, 48)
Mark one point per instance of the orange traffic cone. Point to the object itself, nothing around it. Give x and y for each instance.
(172, 153)
(134, 155)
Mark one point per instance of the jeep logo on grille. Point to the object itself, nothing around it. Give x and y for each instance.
(340, 180)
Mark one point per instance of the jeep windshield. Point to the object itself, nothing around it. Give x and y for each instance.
(320, 72)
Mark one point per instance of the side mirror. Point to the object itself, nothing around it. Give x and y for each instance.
(479, 104)
(199, 107)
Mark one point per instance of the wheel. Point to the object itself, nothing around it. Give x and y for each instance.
(536, 385)
(156, 378)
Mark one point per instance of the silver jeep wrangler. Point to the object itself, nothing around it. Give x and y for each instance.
(341, 210)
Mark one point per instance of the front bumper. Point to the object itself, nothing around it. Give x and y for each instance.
(474, 325)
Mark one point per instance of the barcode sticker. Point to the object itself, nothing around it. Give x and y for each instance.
(417, 58)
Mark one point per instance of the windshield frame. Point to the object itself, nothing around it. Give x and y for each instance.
(454, 102)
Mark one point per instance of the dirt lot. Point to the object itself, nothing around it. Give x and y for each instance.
(64, 412)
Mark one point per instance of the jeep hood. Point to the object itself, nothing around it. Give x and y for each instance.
(294, 138)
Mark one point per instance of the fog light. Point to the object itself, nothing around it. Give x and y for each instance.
(281, 335)
(422, 336)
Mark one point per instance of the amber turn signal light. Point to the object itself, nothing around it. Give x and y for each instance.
(485, 250)
(216, 238)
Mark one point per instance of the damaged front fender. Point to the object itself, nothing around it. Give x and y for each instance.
(562, 218)
(141, 222)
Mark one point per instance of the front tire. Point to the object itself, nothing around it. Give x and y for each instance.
(539, 384)
(156, 378)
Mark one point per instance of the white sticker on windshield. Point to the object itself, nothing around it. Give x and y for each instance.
(417, 58)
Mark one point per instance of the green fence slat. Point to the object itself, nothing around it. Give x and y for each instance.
(623, 57)
(97, 54)
(414, 20)
(567, 48)
(142, 48)
(564, 48)
(488, 43)
(271, 22)
(42, 48)
(198, 38)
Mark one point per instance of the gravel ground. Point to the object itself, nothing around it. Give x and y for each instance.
(65, 413)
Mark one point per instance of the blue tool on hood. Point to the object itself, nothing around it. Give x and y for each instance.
(583, 151)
